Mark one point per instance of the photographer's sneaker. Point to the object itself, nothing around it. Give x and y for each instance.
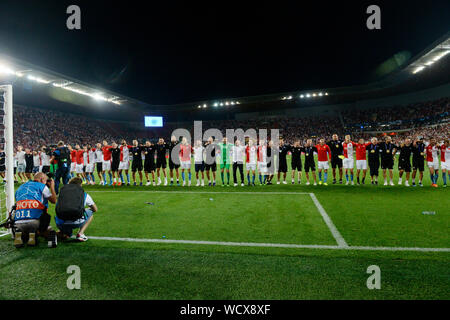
(18, 243)
(82, 237)
(52, 239)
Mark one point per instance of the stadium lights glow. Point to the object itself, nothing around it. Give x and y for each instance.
(232, 103)
(308, 95)
(215, 104)
(320, 94)
(418, 69)
(237, 102)
(314, 94)
(204, 106)
(6, 70)
(226, 103)
(302, 96)
(326, 93)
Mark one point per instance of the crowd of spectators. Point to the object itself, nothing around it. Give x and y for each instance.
(36, 127)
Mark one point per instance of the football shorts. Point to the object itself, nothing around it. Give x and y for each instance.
(348, 163)
(323, 165)
(106, 165)
(361, 164)
(124, 165)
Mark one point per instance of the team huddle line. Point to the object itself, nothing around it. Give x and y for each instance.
(262, 157)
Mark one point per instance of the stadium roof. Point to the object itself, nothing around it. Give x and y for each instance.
(431, 65)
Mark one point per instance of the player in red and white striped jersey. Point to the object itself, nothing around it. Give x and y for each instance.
(348, 161)
(90, 164)
(445, 161)
(124, 161)
(432, 151)
(185, 159)
(251, 159)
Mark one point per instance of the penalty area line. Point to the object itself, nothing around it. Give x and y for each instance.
(334, 231)
(271, 245)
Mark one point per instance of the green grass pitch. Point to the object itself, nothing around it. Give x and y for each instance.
(220, 255)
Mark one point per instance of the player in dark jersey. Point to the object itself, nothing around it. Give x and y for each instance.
(173, 165)
(115, 157)
(296, 161)
(310, 164)
(418, 161)
(404, 161)
(283, 149)
(210, 160)
(149, 162)
(136, 164)
(373, 150)
(387, 152)
(337, 149)
(161, 162)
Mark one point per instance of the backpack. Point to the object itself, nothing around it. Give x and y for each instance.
(70, 205)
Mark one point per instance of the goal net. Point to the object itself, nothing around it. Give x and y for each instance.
(6, 153)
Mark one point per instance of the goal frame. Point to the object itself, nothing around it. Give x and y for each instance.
(7, 92)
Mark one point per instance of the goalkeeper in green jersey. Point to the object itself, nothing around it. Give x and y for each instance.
(225, 160)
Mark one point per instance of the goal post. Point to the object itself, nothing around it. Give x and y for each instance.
(6, 143)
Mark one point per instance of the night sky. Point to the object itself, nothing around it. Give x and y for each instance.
(178, 52)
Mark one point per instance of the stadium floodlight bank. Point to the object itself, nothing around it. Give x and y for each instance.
(6, 143)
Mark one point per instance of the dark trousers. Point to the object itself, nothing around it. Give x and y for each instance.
(64, 173)
(241, 171)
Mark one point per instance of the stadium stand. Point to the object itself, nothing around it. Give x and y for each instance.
(36, 127)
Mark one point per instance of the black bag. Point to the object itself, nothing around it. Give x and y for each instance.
(70, 205)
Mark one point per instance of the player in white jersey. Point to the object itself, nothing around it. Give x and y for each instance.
(15, 168)
(238, 156)
(348, 161)
(21, 164)
(251, 158)
(99, 162)
(89, 157)
(445, 161)
(199, 161)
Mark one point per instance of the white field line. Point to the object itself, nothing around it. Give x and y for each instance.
(200, 192)
(271, 245)
(334, 231)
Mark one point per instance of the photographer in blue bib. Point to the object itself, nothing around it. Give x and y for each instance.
(30, 217)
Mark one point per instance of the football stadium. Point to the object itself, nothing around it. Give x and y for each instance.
(317, 192)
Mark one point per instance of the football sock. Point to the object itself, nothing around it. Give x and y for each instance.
(110, 176)
(128, 177)
(325, 177)
(248, 177)
(265, 178)
(260, 179)
(351, 177)
(346, 177)
(121, 178)
(228, 178)
(104, 177)
(436, 177)
(320, 176)
(253, 178)
(182, 175)
(189, 174)
(221, 176)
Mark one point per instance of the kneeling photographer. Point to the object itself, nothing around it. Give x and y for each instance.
(30, 217)
(71, 211)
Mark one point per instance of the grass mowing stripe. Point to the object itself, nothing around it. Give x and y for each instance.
(274, 245)
(334, 231)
